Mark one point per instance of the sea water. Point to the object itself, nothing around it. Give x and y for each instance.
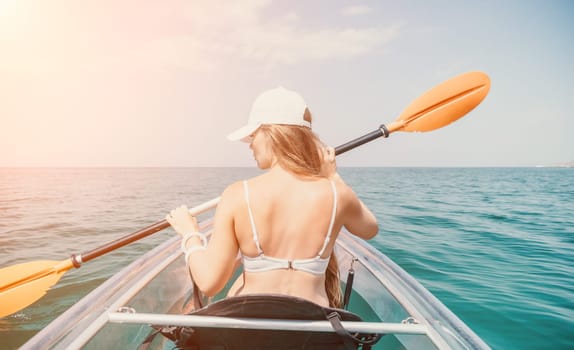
(495, 245)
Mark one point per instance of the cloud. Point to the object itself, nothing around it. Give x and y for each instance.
(248, 30)
(215, 33)
(193, 35)
(356, 10)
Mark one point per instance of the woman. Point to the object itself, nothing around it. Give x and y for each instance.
(284, 222)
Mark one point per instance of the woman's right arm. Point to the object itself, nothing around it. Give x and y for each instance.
(357, 218)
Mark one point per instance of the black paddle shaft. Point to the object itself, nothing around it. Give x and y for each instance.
(94, 253)
(77, 260)
(382, 131)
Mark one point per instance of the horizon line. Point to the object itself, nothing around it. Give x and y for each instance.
(559, 165)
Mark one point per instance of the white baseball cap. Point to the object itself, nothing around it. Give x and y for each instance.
(275, 106)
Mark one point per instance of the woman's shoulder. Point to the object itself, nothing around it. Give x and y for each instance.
(237, 188)
(233, 189)
(231, 197)
(344, 192)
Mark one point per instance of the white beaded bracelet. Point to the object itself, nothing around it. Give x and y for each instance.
(193, 248)
(189, 235)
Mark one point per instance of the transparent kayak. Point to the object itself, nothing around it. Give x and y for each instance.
(156, 290)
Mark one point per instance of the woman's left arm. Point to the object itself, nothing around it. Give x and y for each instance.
(212, 267)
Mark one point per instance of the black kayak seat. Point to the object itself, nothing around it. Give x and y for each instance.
(269, 306)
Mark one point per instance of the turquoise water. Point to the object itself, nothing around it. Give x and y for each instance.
(495, 245)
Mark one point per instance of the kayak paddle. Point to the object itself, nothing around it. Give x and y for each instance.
(23, 284)
(438, 107)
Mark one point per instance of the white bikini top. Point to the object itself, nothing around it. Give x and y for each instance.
(261, 262)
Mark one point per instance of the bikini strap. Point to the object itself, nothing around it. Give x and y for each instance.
(253, 229)
(333, 215)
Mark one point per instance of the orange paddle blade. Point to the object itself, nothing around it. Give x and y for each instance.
(23, 284)
(443, 104)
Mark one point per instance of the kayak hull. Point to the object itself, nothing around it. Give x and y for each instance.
(157, 287)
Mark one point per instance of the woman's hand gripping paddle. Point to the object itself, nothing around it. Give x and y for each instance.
(23, 284)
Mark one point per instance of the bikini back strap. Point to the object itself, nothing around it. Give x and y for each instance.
(332, 222)
(253, 229)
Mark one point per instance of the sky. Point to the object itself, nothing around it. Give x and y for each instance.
(132, 83)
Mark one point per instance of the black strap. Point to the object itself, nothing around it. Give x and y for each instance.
(348, 288)
(147, 341)
(348, 339)
(351, 341)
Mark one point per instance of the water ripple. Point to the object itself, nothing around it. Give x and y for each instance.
(495, 245)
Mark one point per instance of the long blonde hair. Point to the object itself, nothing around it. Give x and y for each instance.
(298, 150)
(332, 284)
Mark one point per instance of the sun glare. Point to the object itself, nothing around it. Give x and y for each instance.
(13, 13)
(6, 6)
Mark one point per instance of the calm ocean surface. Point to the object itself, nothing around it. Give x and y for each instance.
(496, 245)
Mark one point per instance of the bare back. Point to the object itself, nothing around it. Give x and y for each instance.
(292, 217)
